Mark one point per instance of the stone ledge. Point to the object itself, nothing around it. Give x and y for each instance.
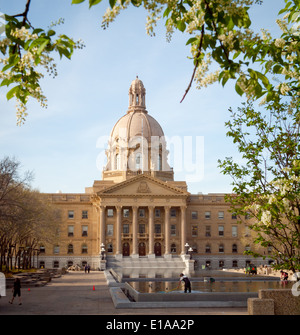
(258, 306)
(274, 302)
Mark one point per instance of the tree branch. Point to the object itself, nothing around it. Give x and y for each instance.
(196, 64)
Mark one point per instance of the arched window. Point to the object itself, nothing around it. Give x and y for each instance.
(159, 162)
(117, 162)
(138, 162)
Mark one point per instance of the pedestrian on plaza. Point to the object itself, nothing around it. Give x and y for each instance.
(88, 268)
(284, 276)
(16, 291)
(187, 283)
(85, 268)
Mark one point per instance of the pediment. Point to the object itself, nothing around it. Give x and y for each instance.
(142, 186)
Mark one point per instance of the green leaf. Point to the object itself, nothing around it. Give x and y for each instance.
(51, 32)
(112, 3)
(42, 46)
(238, 89)
(77, 1)
(191, 40)
(12, 92)
(181, 26)
(94, 2)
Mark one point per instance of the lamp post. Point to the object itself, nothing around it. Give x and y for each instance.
(102, 253)
(190, 251)
(187, 248)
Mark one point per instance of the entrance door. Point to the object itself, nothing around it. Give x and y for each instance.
(157, 249)
(142, 249)
(126, 249)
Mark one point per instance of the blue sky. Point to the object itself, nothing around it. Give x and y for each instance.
(90, 93)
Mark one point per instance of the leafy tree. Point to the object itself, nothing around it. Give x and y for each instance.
(266, 185)
(26, 217)
(27, 53)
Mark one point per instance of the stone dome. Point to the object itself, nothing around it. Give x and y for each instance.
(137, 143)
(137, 121)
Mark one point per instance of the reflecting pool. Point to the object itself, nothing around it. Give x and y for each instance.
(203, 287)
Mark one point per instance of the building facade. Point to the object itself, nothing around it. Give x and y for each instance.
(137, 210)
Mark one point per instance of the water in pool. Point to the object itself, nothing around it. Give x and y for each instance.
(203, 287)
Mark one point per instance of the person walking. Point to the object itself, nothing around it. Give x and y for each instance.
(16, 291)
(187, 283)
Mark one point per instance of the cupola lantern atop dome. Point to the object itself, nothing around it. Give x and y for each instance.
(137, 96)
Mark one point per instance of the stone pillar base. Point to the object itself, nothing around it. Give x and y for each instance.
(168, 256)
(134, 255)
(118, 256)
(151, 256)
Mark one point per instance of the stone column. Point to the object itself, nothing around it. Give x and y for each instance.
(167, 232)
(134, 232)
(183, 229)
(118, 232)
(102, 226)
(151, 231)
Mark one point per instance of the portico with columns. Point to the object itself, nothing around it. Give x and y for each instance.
(142, 216)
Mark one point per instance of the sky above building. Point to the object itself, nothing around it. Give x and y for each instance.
(64, 144)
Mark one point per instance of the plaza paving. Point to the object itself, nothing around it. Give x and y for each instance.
(79, 293)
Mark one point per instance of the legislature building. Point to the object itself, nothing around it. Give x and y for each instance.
(138, 211)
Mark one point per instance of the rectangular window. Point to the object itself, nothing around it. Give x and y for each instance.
(142, 229)
(84, 231)
(207, 231)
(233, 216)
(221, 230)
(234, 231)
(194, 231)
(157, 213)
(221, 215)
(110, 230)
(84, 214)
(70, 214)
(125, 228)
(56, 249)
(157, 228)
(207, 215)
(70, 231)
(126, 213)
(173, 229)
(141, 212)
(173, 212)
(194, 215)
(110, 212)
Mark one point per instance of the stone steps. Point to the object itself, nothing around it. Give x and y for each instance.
(145, 262)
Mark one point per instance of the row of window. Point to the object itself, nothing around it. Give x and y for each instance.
(221, 263)
(56, 249)
(173, 213)
(157, 213)
(84, 214)
(84, 231)
(158, 230)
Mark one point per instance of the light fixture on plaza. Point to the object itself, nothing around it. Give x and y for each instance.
(190, 252)
(102, 251)
(187, 247)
